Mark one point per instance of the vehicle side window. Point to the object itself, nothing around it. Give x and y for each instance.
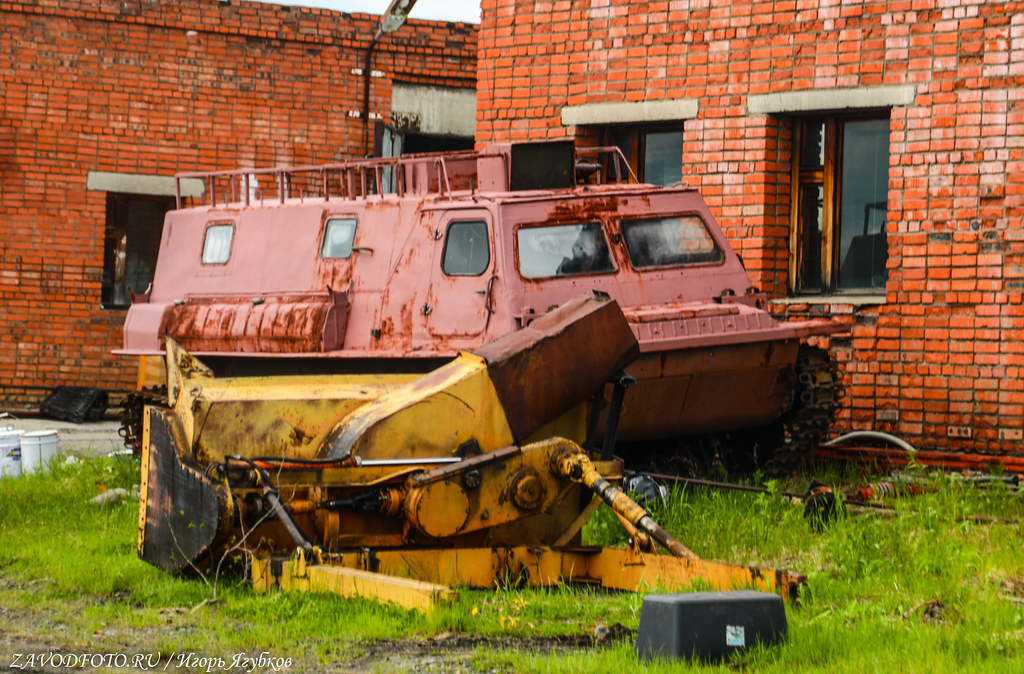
(338, 236)
(217, 243)
(669, 241)
(563, 250)
(466, 249)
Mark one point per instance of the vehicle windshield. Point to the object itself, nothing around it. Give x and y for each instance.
(669, 241)
(563, 250)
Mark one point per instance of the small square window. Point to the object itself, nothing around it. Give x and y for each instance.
(217, 244)
(663, 158)
(338, 237)
(654, 153)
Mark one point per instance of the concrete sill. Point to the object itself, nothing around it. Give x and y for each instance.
(855, 300)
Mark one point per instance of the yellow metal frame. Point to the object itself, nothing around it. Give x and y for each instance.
(422, 578)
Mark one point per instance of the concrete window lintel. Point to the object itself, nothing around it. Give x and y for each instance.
(814, 100)
(626, 112)
(137, 183)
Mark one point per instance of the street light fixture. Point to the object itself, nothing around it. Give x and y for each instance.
(393, 19)
(398, 12)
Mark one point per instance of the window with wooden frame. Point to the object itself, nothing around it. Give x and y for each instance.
(840, 205)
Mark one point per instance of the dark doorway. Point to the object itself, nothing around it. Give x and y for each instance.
(416, 143)
(134, 226)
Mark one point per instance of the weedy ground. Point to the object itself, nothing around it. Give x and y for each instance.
(934, 585)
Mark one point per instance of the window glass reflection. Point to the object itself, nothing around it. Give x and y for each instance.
(338, 236)
(217, 244)
(863, 249)
(563, 250)
(466, 249)
(669, 241)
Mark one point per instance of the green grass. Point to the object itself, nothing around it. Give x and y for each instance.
(929, 587)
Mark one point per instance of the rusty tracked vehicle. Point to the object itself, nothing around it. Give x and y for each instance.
(395, 265)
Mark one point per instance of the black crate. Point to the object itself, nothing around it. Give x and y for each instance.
(708, 626)
(75, 403)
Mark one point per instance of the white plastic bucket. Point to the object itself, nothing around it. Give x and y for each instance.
(10, 453)
(37, 448)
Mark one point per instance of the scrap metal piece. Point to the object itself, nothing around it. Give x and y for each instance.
(297, 574)
(580, 345)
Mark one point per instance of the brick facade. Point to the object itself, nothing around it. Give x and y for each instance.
(139, 87)
(939, 359)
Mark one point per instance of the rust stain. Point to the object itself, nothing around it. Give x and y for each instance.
(575, 210)
(335, 273)
(298, 437)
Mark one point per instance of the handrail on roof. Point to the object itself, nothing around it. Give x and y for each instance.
(360, 178)
(443, 171)
(240, 181)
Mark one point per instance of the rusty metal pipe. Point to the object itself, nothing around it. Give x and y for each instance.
(719, 485)
(577, 467)
(274, 463)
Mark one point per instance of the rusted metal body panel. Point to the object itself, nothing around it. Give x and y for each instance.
(183, 513)
(697, 391)
(551, 364)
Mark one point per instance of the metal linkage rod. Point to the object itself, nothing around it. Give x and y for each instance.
(577, 467)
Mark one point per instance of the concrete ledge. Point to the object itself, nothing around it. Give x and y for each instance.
(666, 110)
(136, 183)
(813, 100)
(855, 300)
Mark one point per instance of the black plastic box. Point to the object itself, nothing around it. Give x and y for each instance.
(708, 625)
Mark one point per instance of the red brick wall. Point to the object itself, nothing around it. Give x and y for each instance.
(159, 88)
(942, 357)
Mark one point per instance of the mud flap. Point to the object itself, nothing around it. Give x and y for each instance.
(180, 509)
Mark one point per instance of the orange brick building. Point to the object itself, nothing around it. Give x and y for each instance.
(866, 158)
(102, 103)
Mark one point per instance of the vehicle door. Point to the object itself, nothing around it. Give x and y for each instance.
(463, 274)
